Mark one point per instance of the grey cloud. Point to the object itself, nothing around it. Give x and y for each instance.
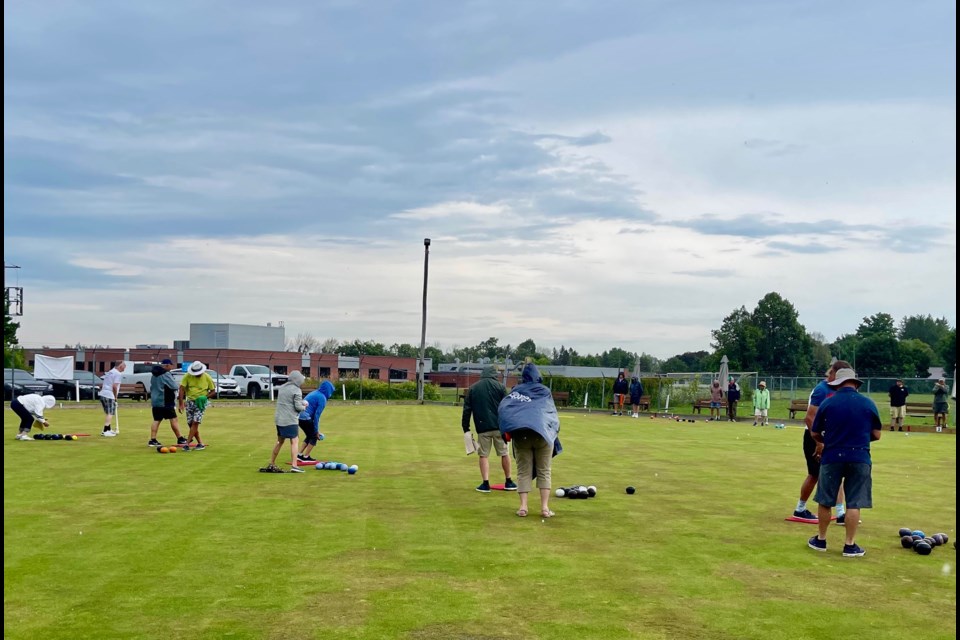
(708, 273)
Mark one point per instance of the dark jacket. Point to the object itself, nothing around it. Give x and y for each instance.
(529, 405)
(898, 395)
(163, 388)
(482, 400)
(636, 390)
(733, 392)
(620, 385)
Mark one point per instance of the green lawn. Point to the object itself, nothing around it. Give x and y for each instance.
(105, 538)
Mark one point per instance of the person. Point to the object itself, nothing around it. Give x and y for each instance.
(196, 388)
(733, 397)
(29, 408)
(716, 401)
(636, 392)
(812, 450)
(898, 404)
(309, 418)
(109, 393)
(163, 389)
(761, 404)
(620, 390)
(846, 423)
(482, 401)
(287, 419)
(941, 406)
(528, 418)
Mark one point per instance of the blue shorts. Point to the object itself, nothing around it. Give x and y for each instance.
(288, 432)
(857, 484)
(714, 405)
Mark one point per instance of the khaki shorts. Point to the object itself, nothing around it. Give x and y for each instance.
(488, 438)
(534, 457)
(898, 412)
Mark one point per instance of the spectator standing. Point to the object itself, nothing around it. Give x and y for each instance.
(845, 424)
(716, 401)
(109, 392)
(482, 401)
(620, 390)
(636, 392)
(528, 418)
(761, 404)
(29, 407)
(733, 397)
(163, 395)
(941, 405)
(196, 388)
(898, 404)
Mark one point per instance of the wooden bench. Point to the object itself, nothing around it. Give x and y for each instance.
(561, 398)
(133, 390)
(797, 406)
(704, 403)
(920, 409)
(644, 403)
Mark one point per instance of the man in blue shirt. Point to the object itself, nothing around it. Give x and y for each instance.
(846, 423)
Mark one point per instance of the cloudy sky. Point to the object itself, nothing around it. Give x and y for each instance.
(593, 174)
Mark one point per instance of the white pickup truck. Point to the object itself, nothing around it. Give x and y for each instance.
(255, 380)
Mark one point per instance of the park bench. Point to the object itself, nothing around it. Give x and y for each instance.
(644, 403)
(797, 406)
(133, 390)
(919, 409)
(704, 403)
(561, 398)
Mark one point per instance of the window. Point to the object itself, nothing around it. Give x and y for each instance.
(102, 366)
(78, 366)
(374, 374)
(347, 373)
(281, 369)
(324, 372)
(398, 374)
(30, 364)
(305, 371)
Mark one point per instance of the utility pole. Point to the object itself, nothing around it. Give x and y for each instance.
(423, 328)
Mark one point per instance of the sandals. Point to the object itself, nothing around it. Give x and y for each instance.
(271, 468)
(546, 513)
(522, 513)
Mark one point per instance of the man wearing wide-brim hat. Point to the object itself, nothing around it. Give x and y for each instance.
(846, 423)
(195, 389)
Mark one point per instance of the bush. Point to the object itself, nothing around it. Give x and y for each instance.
(380, 390)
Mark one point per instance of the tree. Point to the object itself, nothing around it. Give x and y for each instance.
(436, 356)
(330, 345)
(947, 349)
(526, 349)
(878, 324)
(648, 363)
(924, 328)
(738, 338)
(404, 350)
(820, 350)
(845, 348)
(674, 365)
(365, 348)
(878, 355)
(304, 343)
(916, 357)
(11, 357)
(784, 345)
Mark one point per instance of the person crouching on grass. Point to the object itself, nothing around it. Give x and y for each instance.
(195, 389)
(310, 418)
(286, 417)
(29, 407)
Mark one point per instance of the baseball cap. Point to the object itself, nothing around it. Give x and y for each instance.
(166, 361)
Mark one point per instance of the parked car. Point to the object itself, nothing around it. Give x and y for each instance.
(17, 382)
(226, 386)
(90, 384)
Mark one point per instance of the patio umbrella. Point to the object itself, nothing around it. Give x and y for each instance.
(724, 372)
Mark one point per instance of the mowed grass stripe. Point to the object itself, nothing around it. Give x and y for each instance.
(201, 545)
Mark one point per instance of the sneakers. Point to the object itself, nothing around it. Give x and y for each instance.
(109, 434)
(181, 442)
(308, 459)
(484, 487)
(155, 443)
(805, 515)
(842, 520)
(24, 436)
(200, 447)
(853, 551)
(509, 485)
(817, 544)
(296, 470)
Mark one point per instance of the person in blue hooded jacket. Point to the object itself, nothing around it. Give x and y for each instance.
(528, 418)
(309, 419)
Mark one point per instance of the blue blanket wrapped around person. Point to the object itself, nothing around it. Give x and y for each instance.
(529, 405)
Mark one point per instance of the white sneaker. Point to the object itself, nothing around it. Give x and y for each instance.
(24, 436)
(109, 434)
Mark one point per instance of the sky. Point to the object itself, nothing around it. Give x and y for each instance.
(590, 174)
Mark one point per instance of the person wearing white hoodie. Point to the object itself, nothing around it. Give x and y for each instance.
(29, 407)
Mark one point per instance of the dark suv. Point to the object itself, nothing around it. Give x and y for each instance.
(17, 382)
(90, 385)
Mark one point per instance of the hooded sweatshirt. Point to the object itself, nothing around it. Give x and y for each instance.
(316, 403)
(530, 406)
(289, 401)
(636, 390)
(482, 400)
(163, 388)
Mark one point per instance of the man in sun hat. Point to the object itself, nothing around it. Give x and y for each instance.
(846, 423)
(195, 388)
(761, 404)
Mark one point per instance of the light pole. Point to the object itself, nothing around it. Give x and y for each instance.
(423, 328)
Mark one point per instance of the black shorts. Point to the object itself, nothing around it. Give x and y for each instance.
(857, 484)
(308, 430)
(164, 413)
(287, 432)
(809, 452)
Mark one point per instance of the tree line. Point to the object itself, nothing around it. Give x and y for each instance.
(769, 339)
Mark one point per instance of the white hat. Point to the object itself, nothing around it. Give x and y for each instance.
(49, 402)
(762, 383)
(197, 368)
(845, 375)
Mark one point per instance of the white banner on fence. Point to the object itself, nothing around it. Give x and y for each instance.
(47, 368)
